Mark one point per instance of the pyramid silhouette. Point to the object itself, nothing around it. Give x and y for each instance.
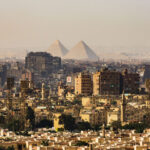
(57, 49)
(81, 52)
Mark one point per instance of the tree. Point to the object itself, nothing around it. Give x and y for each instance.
(45, 123)
(76, 101)
(116, 125)
(138, 127)
(45, 143)
(31, 117)
(11, 148)
(2, 120)
(81, 143)
(14, 125)
(114, 103)
(68, 121)
(2, 148)
(146, 119)
(83, 126)
(97, 127)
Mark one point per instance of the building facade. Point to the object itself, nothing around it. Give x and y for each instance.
(130, 82)
(83, 84)
(42, 62)
(3, 74)
(106, 82)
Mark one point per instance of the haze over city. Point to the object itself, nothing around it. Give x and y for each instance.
(30, 24)
(75, 75)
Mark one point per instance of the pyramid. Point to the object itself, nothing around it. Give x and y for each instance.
(57, 49)
(81, 52)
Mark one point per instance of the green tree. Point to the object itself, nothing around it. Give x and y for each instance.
(138, 127)
(2, 148)
(114, 103)
(97, 127)
(11, 148)
(116, 125)
(45, 143)
(2, 119)
(68, 121)
(14, 125)
(146, 119)
(81, 143)
(45, 123)
(83, 126)
(31, 117)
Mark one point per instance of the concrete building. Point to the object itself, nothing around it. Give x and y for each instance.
(88, 101)
(130, 82)
(83, 84)
(112, 116)
(96, 83)
(90, 116)
(3, 74)
(42, 62)
(106, 82)
(27, 75)
(57, 124)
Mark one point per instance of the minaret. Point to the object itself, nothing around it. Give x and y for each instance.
(103, 130)
(43, 91)
(49, 93)
(123, 108)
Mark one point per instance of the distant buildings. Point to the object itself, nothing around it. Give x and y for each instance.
(27, 75)
(146, 73)
(42, 62)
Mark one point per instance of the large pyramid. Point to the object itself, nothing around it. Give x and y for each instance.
(81, 52)
(57, 49)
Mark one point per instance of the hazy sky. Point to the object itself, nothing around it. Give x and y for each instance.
(37, 23)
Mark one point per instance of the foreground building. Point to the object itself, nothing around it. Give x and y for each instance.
(107, 82)
(83, 84)
(130, 82)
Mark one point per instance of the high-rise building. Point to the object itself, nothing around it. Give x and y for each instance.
(83, 84)
(130, 82)
(3, 74)
(27, 75)
(146, 73)
(96, 83)
(42, 62)
(106, 82)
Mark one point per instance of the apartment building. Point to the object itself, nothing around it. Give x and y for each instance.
(83, 84)
(106, 82)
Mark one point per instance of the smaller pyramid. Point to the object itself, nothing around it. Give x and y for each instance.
(57, 49)
(82, 52)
